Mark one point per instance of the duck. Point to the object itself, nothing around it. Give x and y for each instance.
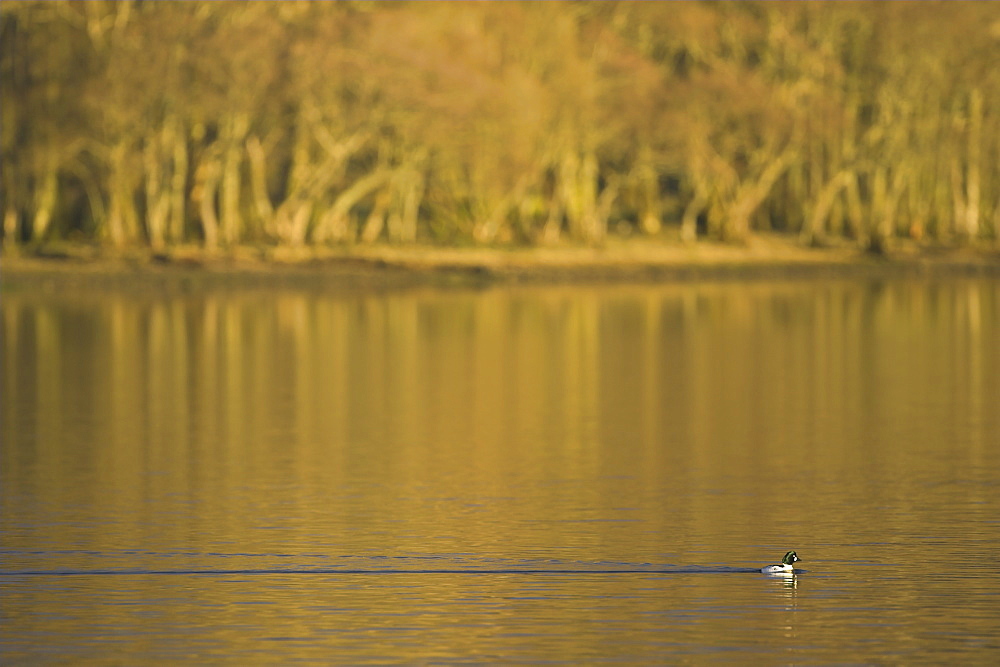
(786, 566)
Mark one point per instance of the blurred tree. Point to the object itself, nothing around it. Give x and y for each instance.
(297, 122)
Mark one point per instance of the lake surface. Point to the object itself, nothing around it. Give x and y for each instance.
(567, 475)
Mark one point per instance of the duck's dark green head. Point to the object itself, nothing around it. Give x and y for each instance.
(790, 558)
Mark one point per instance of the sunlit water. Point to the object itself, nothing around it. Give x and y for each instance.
(548, 474)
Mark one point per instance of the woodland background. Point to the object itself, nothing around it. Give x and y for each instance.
(217, 124)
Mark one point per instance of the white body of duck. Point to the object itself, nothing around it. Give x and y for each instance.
(786, 566)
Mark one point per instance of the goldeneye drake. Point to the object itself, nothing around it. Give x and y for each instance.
(785, 567)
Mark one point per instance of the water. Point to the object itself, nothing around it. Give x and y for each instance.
(514, 475)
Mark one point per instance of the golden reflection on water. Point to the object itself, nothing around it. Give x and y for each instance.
(421, 391)
(697, 424)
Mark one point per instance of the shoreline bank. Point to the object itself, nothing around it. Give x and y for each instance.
(396, 267)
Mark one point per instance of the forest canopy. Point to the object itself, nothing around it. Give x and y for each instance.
(155, 124)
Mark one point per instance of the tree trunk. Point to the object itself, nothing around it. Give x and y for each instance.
(178, 183)
(412, 194)
(958, 203)
(650, 213)
(970, 228)
(376, 219)
(157, 197)
(232, 223)
(11, 227)
(749, 196)
(258, 183)
(885, 198)
(824, 204)
(336, 218)
(122, 216)
(206, 183)
(689, 222)
(45, 202)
